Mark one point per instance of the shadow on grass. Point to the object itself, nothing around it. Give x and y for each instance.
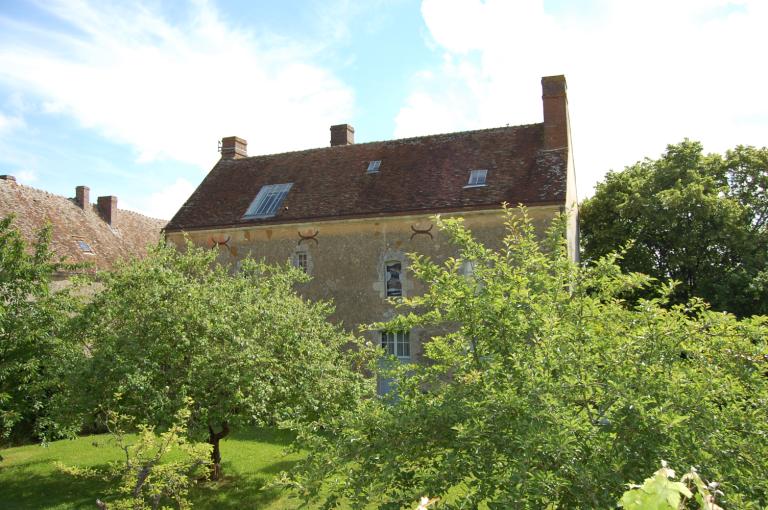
(53, 489)
(242, 490)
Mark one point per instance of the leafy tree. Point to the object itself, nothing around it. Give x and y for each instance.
(32, 317)
(746, 173)
(546, 390)
(699, 220)
(245, 347)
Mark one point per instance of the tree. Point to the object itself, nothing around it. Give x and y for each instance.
(245, 347)
(546, 390)
(32, 318)
(699, 220)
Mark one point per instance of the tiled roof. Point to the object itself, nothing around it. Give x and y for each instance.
(33, 208)
(423, 174)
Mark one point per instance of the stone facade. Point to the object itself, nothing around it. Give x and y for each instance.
(347, 259)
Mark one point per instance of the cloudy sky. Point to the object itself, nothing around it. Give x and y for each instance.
(131, 98)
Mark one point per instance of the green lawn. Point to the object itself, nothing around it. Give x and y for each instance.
(30, 480)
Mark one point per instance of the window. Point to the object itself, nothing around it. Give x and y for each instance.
(392, 271)
(476, 178)
(268, 201)
(373, 166)
(397, 343)
(301, 258)
(301, 261)
(84, 247)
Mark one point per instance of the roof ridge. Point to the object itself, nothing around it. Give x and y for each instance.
(395, 140)
(71, 199)
(136, 213)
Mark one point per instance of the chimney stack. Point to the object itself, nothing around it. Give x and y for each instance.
(342, 134)
(233, 147)
(555, 101)
(82, 197)
(107, 207)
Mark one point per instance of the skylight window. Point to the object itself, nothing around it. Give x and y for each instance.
(84, 247)
(374, 166)
(477, 178)
(268, 201)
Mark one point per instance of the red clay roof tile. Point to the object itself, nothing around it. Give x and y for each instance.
(423, 174)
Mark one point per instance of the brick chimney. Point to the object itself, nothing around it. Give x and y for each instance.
(82, 196)
(107, 207)
(233, 147)
(342, 134)
(555, 101)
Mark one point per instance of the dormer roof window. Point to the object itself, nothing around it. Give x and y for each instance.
(373, 166)
(268, 201)
(476, 178)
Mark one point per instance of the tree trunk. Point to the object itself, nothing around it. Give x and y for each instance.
(213, 440)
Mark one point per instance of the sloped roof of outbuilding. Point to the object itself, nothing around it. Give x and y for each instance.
(417, 175)
(33, 208)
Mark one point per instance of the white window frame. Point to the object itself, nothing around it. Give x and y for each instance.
(396, 343)
(268, 201)
(300, 252)
(477, 178)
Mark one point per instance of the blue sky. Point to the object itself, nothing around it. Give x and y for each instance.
(131, 98)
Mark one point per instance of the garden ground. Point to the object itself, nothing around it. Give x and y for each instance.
(29, 478)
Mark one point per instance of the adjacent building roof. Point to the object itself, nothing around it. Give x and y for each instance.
(79, 234)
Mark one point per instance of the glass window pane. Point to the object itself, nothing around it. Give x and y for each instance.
(394, 285)
(268, 201)
(477, 177)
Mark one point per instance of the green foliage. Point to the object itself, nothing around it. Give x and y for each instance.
(661, 492)
(245, 347)
(546, 390)
(32, 318)
(156, 468)
(699, 220)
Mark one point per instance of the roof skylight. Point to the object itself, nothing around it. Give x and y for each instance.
(374, 166)
(84, 247)
(477, 178)
(268, 201)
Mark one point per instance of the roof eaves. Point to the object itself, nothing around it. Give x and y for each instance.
(274, 221)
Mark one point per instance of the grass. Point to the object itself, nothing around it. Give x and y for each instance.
(29, 478)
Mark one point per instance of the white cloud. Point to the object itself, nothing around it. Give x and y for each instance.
(171, 91)
(162, 204)
(641, 74)
(9, 123)
(26, 176)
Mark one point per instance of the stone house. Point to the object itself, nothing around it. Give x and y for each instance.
(348, 214)
(98, 234)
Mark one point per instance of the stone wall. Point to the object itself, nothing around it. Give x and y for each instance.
(347, 258)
